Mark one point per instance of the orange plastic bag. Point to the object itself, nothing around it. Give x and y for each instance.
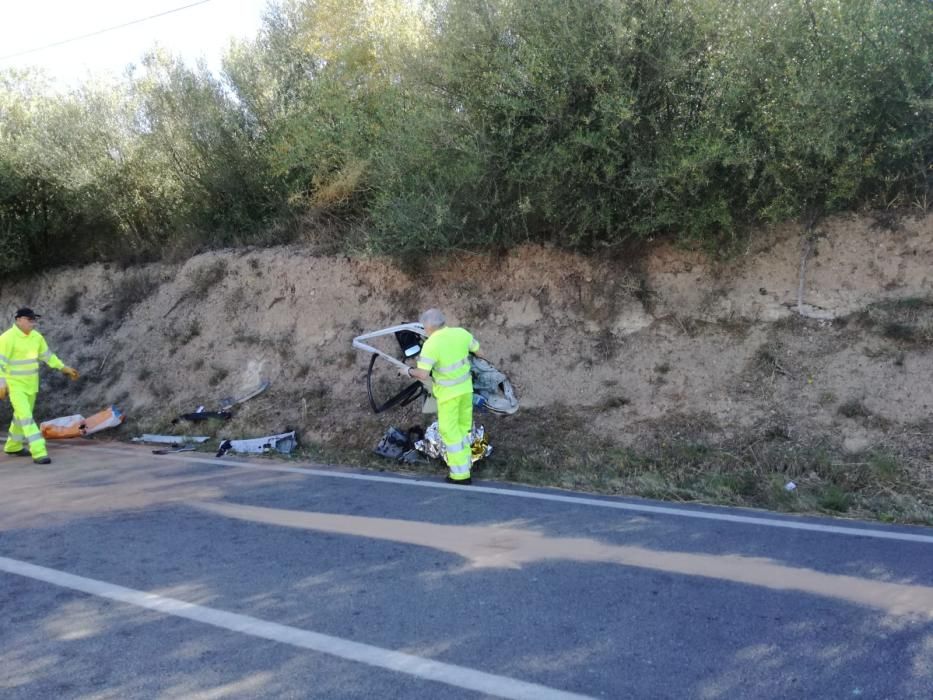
(110, 417)
(76, 426)
(61, 428)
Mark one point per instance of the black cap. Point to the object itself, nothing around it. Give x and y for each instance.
(27, 312)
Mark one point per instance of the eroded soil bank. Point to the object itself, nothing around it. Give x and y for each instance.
(669, 375)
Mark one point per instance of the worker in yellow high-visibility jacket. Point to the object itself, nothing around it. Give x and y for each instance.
(445, 360)
(21, 349)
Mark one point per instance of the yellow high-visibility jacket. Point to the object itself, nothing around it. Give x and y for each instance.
(19, 359)
(446, 356)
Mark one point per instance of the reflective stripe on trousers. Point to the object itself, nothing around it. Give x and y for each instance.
(454, 422)
(24, 428)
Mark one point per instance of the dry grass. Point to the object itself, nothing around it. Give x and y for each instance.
(906, 322)
(684, 461)
(72, 302)
(204, 278)
(769, 362)
(130, 290)
(606, 346)
(853, 408)
(339, 187)
(247, 336)
(217, 376)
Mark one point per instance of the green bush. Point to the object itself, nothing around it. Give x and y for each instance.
(453, 124)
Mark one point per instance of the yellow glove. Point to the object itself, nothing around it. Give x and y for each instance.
(4, 391)
(71, 373)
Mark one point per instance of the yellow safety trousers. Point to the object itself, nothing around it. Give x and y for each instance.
(24, 428)
(454, 423)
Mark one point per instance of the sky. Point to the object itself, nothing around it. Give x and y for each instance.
(204, 30)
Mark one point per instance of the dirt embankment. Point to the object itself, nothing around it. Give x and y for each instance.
(624, 367)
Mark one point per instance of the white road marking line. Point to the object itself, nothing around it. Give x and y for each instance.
(427, 669)
(555, 498)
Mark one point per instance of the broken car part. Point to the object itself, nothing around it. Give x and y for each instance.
(410, 337)
(283, 443)
(491, 384)
(227, 403)
(199, 416)
(177, 440)
(493, 387)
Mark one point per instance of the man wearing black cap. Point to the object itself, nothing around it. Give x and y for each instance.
(21, 349)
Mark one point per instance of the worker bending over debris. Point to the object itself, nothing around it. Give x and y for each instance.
(21, 348)
(445, 359)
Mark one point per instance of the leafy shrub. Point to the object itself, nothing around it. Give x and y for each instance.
(456, 124)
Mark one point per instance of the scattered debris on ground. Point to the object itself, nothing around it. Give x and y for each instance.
(79, 426)
(668, 374)
(283, 443)
(175, 440)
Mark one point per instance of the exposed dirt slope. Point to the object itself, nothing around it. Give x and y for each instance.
(633, 353)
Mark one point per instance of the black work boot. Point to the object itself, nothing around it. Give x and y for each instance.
(42, 460)
(19, 453)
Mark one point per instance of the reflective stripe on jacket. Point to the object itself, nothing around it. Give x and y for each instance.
(20, 355)
(446, 356)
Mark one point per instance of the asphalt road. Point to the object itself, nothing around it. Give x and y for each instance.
(129, 575)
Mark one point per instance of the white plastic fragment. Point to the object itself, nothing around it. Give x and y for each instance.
(170, 439)
(282, 443)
